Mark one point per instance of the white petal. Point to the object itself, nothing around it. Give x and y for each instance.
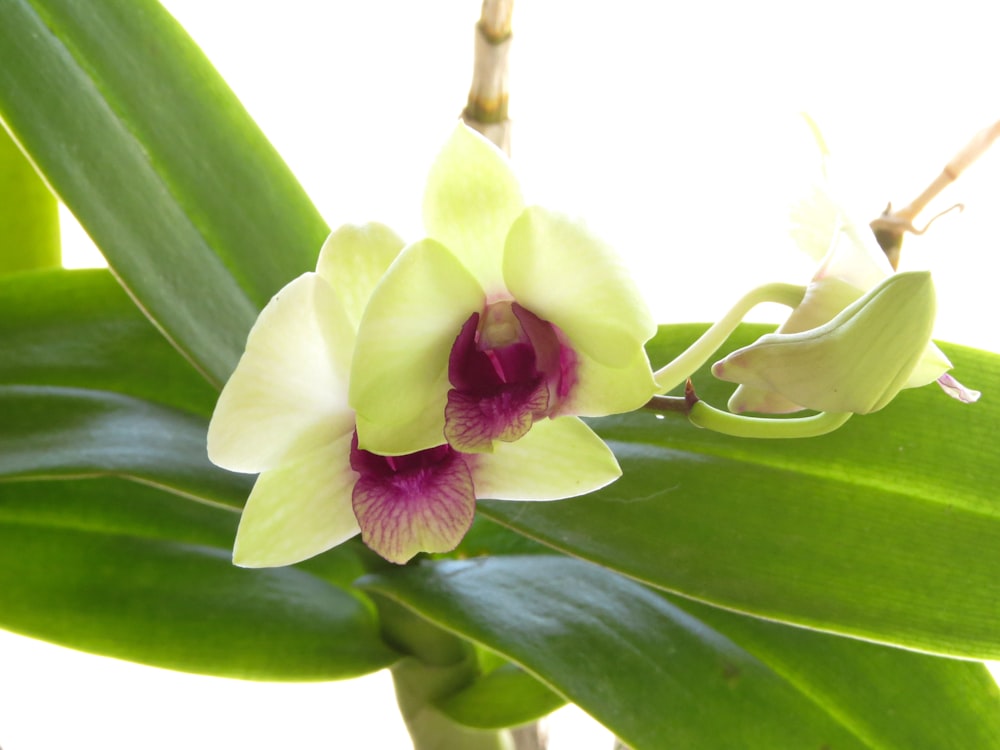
(471, 199)
(558, 458)
(353, 261)
(299, 510)
(289, 390)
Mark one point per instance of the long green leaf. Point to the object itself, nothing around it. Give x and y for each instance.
(142, 139)
(78, 329)
(660, 677)
(889, 697)
(125, 570)
(888, 529)
(65, 432)
(29, 213)
(652, 674)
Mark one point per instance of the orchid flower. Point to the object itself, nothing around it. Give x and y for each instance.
(284, 413)
(853, 266)
(502, 320)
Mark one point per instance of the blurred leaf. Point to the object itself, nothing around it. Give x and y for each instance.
(505, 697)
(199, 217)
(126, 570)
(29, 213)
(649, 672)
(79, 329)
(888, 529)
(702, 678)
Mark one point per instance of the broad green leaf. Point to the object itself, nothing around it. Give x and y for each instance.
(505, 697)
(29, 213)
(126, 570)
(662, 672)
(69, 432)
(651, 673)
(79, 329)
(889, 697)
(197, 215)
(888, 529)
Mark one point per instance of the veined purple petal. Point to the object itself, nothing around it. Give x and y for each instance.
(472, 422)
(420, 502)
(956, 390)
(508, 368)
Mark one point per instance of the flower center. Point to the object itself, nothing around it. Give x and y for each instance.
(507, 368)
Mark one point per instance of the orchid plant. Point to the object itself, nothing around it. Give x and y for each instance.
(406, 404)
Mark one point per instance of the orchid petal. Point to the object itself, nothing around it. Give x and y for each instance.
(855, 258)
(558, 458)
(932, 365)
(747, 398)
(471, 198)
(562, 273)
(823, 300)
(354, 259)
(399, 379)
(958, 391)
(857, 362)
(426, 511)
(299, 510)
(600, 390)
(472, 423)
(289, 390)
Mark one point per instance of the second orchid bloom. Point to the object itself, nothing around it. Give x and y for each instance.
(387, 391)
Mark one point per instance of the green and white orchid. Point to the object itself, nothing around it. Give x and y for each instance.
(284, 413)
(853, 266)
(502, 319)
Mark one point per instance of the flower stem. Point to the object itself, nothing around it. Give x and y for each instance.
(681, 368)
(704, 415)
(487, 107)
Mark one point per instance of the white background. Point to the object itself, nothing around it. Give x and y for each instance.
(670, 127)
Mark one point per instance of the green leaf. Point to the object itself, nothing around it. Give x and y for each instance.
(199, 217)
(67, 432)
(505, 697)
(889, 697)
(29, 213)
(886, 530)
(651, 673)
(79, 329)
(671, 673)
(125, 570)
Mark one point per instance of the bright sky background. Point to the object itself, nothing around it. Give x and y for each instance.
(670, 127)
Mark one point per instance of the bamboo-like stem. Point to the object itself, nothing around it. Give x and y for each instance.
(891, 225)
(486, 110)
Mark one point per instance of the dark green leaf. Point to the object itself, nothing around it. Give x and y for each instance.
(888, 529)
(29, 214)
(651, 673)
(78, 329)
(136, 132)
(129, 571)
(67, 432)
(889, 697)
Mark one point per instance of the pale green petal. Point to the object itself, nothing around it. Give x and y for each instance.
(823, 301)
(746, 398)
(601, 390)
(299, 510)
(932, 365)
(470, 201)
(562, 273)
(855, 363)
(289, 390)
(558, 458)
(855, 258)
(353, 260)
(399, 380)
